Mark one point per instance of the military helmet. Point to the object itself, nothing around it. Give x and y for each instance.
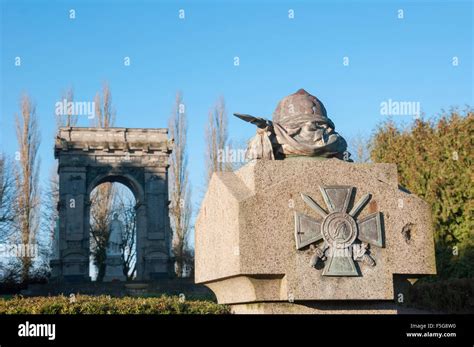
(299, 108)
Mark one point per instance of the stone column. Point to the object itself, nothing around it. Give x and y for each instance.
(141, 210)
(155, 250)
(55, 262)
(73, 226)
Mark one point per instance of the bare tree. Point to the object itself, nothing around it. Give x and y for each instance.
(104, 112)
(102, 202)
(126, 207)
(51, 196)
(68, 119)
(216, 139)
(50, 211)
(180, 192)
(360, 148)
(102, 197)
(26, 179)
(6, 197)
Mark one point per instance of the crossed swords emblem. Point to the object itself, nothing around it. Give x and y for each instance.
(346, 239)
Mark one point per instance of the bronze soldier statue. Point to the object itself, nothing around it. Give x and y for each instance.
(300, 127)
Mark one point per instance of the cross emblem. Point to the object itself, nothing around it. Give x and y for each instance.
(346, 239)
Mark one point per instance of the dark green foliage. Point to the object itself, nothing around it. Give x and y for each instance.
(434, 160)
(450, 296)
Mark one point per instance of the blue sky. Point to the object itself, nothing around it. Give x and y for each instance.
(407, 59)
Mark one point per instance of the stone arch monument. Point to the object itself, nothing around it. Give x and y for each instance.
(137, 158)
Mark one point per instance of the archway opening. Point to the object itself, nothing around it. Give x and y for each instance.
(113, 231)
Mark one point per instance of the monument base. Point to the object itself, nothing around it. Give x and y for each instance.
(317, 307)
(114, 269)
(263, 232)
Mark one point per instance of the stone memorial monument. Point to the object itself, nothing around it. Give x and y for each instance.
(302, 229)
(135, 157)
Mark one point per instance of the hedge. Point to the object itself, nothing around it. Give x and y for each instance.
(434, 161)
(449, 296)
(84, 304)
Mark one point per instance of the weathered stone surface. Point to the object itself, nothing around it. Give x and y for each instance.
(114, 269)
(316, 308)
(245, 233)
